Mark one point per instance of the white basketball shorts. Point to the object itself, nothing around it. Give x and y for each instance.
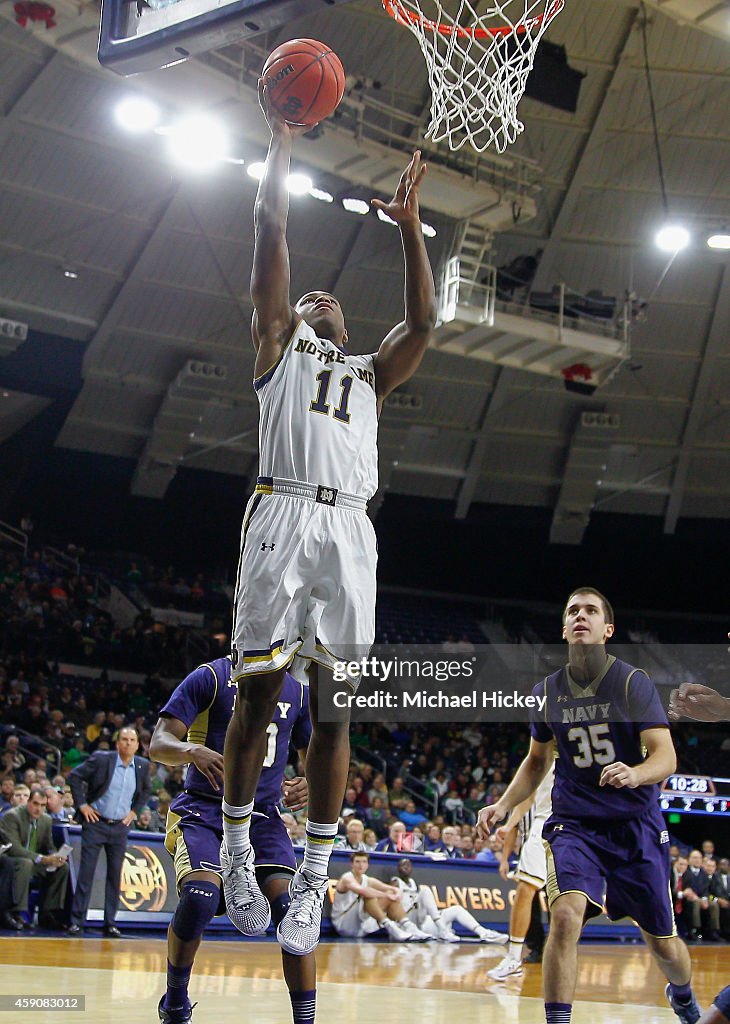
(306, 584)
(532, 867)
(355, 923)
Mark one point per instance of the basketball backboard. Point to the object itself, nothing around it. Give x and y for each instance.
(144, 35)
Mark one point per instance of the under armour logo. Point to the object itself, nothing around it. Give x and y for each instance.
(327, 495)
(267, 547)
(558, 828)
(561, 697)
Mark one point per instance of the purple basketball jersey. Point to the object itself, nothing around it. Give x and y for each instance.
(204, 702)
(593, 726)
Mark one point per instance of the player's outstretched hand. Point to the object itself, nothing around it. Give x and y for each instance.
(275, 119)
(488, 818)
(295, 793)
(210, 764)
(619, 775)
(692, 700)
(403, 207)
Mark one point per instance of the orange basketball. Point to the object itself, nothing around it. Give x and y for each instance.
(305, 80)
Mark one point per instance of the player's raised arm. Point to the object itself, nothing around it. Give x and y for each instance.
(170, 746)
(401, 352)
(273, 315)
(527, 778)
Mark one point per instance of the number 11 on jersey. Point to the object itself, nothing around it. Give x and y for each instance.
(320, 402)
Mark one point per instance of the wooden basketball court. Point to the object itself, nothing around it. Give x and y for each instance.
(359, 982)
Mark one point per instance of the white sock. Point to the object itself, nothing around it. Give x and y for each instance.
(236, 826)
(514, 950)
(318, 844)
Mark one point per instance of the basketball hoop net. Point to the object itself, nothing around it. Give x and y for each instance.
(477, 64)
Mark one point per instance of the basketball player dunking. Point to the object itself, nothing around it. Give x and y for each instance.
(606, 838)
(306, 580)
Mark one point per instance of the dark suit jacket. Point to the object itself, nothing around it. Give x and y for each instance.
(94, 775)
(16, 826)
(700, 882)
(719, 886)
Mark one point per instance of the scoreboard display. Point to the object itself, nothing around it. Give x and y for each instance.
(695, 794)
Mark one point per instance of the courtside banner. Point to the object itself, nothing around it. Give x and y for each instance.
(148, 896)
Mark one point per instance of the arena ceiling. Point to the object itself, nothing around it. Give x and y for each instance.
(163, 257)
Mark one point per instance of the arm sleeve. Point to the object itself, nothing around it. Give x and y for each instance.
(81, 774)
(302, 730)
(194, 694)
(645, 707)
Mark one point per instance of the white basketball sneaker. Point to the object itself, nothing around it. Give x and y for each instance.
(413, 932)
(298, 931)
(246, 905)
(489, 935)
(395, 932)
(445, 934)
(508, 968)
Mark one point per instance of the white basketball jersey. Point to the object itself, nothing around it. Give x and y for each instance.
(409, 892)
(343, 901)
(319, 417)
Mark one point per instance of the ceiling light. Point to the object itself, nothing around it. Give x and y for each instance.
(356, 206)
(70, 273)
(298, 184)
(324, 197)
(672, 238)
(384, 217)
(719, 241)
(428, 230)
(137, 114)
(256, 170)
(199, 142)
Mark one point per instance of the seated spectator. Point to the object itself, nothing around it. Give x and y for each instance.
(467, 848)
(395, 838)
(720, 891)
(349, 805)
(370, 840)
(353, 838)
(411, 816)
(708, 849)
(376, 816)
(144, 821)
(433, 843)
(20, 796)
(450, 842)
(28, 830)
(700, 915)
(676, 885)
(55, 806)
(159, 814)
(453, 801)
(489, 853)
(96, 726)
(7, 788)
(397, 795)
(77, 753)
(378, 789)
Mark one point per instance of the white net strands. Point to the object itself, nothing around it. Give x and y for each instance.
(477, 64)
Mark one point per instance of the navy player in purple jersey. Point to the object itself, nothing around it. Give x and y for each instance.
(605, 840)
(191, 730)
